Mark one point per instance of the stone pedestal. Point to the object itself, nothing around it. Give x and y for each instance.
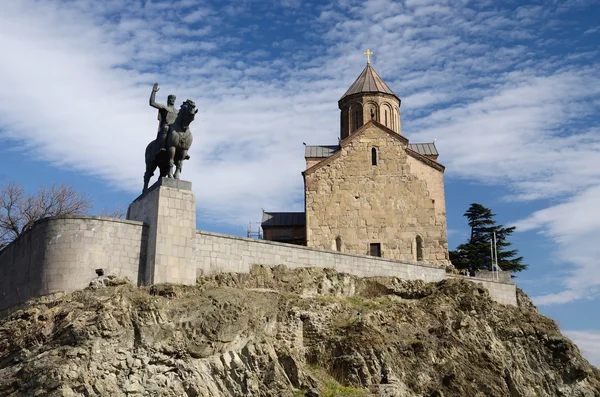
(169, 208)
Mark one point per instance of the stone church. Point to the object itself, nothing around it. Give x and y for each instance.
(374, 193)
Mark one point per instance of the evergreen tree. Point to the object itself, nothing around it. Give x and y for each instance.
(476, 252)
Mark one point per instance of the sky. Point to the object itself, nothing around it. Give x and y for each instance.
(509, 90)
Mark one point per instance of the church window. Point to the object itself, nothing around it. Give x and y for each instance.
(375, 249)
(356, 120)
(338, 244)
(373, 156)
(386, 118)
(419, 242)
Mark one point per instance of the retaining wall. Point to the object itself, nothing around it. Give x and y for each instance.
(503, 277)
(61, 254)
(219, 253)
(501, 292)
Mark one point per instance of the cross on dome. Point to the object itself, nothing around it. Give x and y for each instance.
(368, 53)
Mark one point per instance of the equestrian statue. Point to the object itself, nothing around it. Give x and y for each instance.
(173, 139)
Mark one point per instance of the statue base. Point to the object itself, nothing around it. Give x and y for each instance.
(169, 209)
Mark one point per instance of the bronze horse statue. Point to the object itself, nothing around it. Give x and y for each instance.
(179, 140)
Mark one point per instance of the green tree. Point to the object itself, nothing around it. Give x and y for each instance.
(476, 252)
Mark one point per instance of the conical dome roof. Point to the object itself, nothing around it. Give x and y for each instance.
(368, 81)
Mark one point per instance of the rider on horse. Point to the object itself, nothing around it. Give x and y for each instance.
(166, 116)
(174, 138)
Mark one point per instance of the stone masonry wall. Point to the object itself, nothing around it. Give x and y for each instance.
(218, 253)
(501, 292)
(61, 254)
(387, 203)
(434, 181)
(169, 208)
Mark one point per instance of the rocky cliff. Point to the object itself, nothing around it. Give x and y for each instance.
(279, 332)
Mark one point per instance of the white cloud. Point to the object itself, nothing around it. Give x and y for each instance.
(574, 225)
(589, 344)
(197, 15)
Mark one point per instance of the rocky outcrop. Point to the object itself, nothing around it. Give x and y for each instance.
(279, 332)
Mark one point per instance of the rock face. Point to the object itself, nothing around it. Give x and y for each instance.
(277, 332)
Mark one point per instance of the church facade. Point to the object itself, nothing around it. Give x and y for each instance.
(374, 193)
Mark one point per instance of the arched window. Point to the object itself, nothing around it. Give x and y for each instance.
(373, 156)
(386, 124)
(419, 242)
(356, 120)
(338, 244)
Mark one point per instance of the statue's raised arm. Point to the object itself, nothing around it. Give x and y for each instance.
(153, 98)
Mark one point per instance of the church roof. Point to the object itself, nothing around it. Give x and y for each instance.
(368, 81)
(320, 151)
(425, 149)
(283, 219)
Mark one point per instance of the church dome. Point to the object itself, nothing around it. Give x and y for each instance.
(368, 82)
(369, 98)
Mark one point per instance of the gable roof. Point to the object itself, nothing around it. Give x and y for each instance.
(382, 127)
(424, 159)
(426, 149)
(353, 136)
(368, 81)
(283, 219)
(319, 151)
(330, 152)
(324, 151)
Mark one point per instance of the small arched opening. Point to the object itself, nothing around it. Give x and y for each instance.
(338, 244)
(419, 243)
(373, 156)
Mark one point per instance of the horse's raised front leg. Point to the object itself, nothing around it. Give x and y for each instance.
(171, 160)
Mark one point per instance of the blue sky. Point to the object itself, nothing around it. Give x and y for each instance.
(510, 90)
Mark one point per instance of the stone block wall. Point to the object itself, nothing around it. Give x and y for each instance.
(501, 292)
(61, 254)
(220, 253)
(504, 277)
(434, 181)
(20, 271)
(217, 253)
(349, 198)
(169, 208)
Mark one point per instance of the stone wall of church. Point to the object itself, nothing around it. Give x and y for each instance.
(351, 203)
(434, 181)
